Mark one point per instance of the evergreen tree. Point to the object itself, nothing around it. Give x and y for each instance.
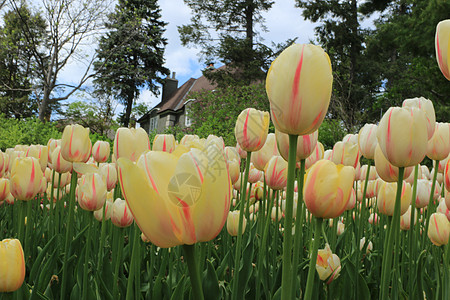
(130, 55)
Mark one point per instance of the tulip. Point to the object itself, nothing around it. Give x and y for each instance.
(317, 154)
(231, 153)
(218, 141)
(405, 219)
(373, 219)
(121, 216)
(261, 157)
(439, 229)
(2, 163)
(442, 42)
(105, 211)
(92, 192)
(40, 153)
(12, 156)
(328, 188)
(276, 173)
(402, 136)
(233, 221)
(340, 228)
(164, 142)
(299, 84)
(439, 145)
(51, 146)
(425, 172)
(345, 153)
(254, 175)
(101, 151)
(427, 107)
(372, 173)
(423, 193)
(235, 171)
(352, 201)
(367, 140)
(75, 143)
(276, 212)
(65, 179)
(328, 265)
(4, 188)
(12, 265)
(130, 143)
(252, 127)
(109, 174)
(26, 176)
(362, 242)
(188, 198)
(443, 209)
(59, 164)
(387, 171)
(353, 138)
(306, 144)
(242, 153)
(387, 194)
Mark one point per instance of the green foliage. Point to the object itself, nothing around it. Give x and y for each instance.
(216, 112)
(330, 132)
(25, 132)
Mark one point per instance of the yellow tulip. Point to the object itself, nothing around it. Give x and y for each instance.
(299, 84)
(263, 155)
(107, 209)
(346, 153)
(423, 193)
(328, 265)
(442, 45)
(427, 107)
(4, 188)
(386, 170)
(405, 219)
(2, 163)
(12, 265)
(51, 146)
(233, 223)
(328, 188)
(188, 197)
(315, 156)
(75, 143)
(367, 140)
(59, 164)
(26, 176)
(306, 144)
(276, 173)
(252, 127)
(130, 143)
(164, 142)
(121, 214)
(92, 192)
(101, 151)
(439, 229)
(254, 175)
(242, 153)
(402, 136)
(439, 145)
(109, 174)
(231, 153)
(386, 198)
(234, 170)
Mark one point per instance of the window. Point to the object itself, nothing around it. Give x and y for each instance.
(153, 124)
(187, 120)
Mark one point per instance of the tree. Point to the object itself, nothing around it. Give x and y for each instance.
(130, 55)
(225, 30)
(70, 24)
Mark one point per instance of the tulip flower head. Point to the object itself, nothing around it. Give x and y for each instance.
(317, 154)
(12, 265)
(26, 176)
(261, 157)
(104, 212)
(346, 153)
(75, 143)
(439, 145)
(427, 107)
(252, 128)
(439, 229)
(4, 188)
(233, 223)
(367, 140)
(442, 45)
(101, 151)
(386, 198)
(92, 192)
(121, 214)
(276, 173)
(109, 173)
(387, 171)
(328, 265)
(130, 143)
(164, 142)
(362, 243)
(40, 153)
(58, 163)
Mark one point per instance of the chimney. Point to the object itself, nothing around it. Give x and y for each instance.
(170, 85)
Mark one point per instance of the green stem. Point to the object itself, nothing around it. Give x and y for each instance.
(118, 247)
(390, 238)
(286, 277)
(312, 262)
(86, 256)
(430, 204)
(70, 220)
(51, 212)
(102, 240)
(412, 244)
(134, 267)
(189, 251)
(59, 205)
(237, 259)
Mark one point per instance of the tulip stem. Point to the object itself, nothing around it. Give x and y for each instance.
(86, 255)
(430, 203)
(51, 212)
(242, 199)
(70, 219)
(412, 244)
(189, 252)
(286, 277)
(102, 240)
(393, 229)
(27, 229)
(313, 260)
(117, 254)
(134, 266)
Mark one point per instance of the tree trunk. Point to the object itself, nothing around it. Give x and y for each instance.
(126, 120)
(43, 107)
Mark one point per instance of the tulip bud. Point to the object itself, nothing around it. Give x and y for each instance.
(373, 219)
(299, 84)
(345, 153)
(92, 192)
(233, 223)
(109, 174)
(387, 194)
(164, 142)
(276, 213)
(402, 136)
(130, 143)
(234, 169)
(104, 212)
(328, 265)
(101, 151)
(261, 157)
(327, 189)
(276, 173)
(367, 140)
(254, 175)
(425, 172)
(26, 176)
(75, 143)
(423, 193)
(12, 271)
(121, 214)
(362, 242)
(242, 153)
(427, 107)
(51, 146)
(439, 145)
(405, 219)
(439, 229)
(387, 171)
(59, 164)
(352, 201)
(372, 173)
(252, 127)
(306, 144)
(442, 42)
(340, 228)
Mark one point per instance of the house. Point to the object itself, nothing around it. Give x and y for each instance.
(172, 110)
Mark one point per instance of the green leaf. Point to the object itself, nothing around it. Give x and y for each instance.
(210, 283)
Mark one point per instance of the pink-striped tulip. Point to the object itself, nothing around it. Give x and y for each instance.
(75, 143)
(121, 215)
(405, 219)
(439, 229)
(101, 151)
(12, 265)
(317, 155)
(254, 175)
(442, 45)
(4, 188)
(373, 175)
(328, 265)
(386, 170)
(92, 192)
(306, 144)
(299, 84)
(252, 127)
(443, 208)
(276, 173)
(109, 173)
(59, 164)
(367, 140)
(261, 157)
(231, 153)
(2, 163)
(104, 212)
(386, 198)
(40, 153)
(233, 223)
(26, 176)
(439, 145)
(164, 142)
(346, 153)
(402, 136)
(234, 170)
(427, 107)
(51, 146)
(188, 198)
(130, 143)
(242, 153)
(423, 193)
(328, 188)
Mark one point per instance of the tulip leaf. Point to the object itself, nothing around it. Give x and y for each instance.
(362, 291)
(245, 271)
(210, 283)
(223, 266)
(158, 285)
(179, 290)
(45, 274)
(38, 262)
(420, 265)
